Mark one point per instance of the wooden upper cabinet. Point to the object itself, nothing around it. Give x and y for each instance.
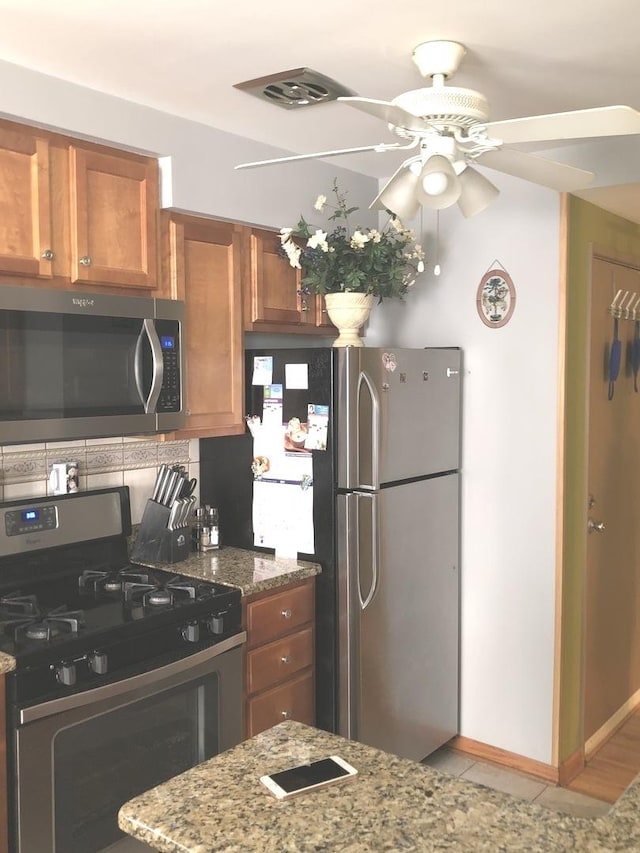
(25, 204)
(202, 259)
(273, 302)
(114, 218)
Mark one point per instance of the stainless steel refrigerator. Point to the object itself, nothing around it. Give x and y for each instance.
(386, 523)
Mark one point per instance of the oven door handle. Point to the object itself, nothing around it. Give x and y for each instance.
(127, 685)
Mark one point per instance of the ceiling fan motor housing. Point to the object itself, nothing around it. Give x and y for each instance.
(448, 105)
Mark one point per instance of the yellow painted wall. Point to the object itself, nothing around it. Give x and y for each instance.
(588, 227)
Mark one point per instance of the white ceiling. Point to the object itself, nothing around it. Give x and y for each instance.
(183, 57)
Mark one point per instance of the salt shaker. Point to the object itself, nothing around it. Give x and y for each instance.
(210, 530)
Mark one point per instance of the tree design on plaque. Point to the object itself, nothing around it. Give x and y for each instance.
(496, 298)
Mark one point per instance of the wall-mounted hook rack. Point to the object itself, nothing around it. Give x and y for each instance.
(614, 308)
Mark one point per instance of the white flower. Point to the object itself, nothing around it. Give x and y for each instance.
(358, 240)
(293, 253)
(376, 236)
(320, 202)
(285, 234)
(318, 241)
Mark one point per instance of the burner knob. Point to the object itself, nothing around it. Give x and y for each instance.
(216, 624)
(191, 632)
(98, 663)
(66, 674)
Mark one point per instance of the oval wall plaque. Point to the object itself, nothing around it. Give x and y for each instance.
(496, 298)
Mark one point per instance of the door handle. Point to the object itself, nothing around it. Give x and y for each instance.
(148, 330)
(595, 526)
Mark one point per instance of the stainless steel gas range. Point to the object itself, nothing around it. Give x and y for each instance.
(124, 676)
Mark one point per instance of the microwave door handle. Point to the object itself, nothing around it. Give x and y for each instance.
(148, 330)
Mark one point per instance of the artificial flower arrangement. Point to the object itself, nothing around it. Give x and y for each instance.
(363, 260)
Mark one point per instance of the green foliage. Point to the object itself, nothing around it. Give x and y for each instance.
(363, 260)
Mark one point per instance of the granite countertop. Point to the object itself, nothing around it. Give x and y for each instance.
(249, 571)
(7, 663)
(391, 805)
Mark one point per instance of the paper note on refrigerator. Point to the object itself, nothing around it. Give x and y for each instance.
(283, 507)
(262, 370)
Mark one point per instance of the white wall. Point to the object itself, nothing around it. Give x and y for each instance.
(508, 452)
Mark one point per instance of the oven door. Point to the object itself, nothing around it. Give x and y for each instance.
(79, 758)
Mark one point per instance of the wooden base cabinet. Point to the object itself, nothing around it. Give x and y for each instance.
(280, 657)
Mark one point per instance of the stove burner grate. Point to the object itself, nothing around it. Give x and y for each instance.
(46, 627)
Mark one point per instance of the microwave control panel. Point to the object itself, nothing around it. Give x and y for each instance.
(169, 334)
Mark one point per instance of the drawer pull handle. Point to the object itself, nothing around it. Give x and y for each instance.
(285, 659)
(287, 613)
(285, 715)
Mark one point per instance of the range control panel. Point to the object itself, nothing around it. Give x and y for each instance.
(30, 519)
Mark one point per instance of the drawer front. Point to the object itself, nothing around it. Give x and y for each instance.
(291, 701)
(279, 614)
(279, 660)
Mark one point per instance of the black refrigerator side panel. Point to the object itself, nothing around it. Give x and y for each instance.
(227, 482)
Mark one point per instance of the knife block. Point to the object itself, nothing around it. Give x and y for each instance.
(155, 543)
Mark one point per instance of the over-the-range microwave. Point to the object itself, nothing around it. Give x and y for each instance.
(86, 365)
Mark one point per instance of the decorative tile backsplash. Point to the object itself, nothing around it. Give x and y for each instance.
(133, 462)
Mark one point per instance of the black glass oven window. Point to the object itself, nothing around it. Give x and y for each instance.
(102, 762)
(68, 365)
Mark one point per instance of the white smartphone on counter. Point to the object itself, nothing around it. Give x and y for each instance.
(308, 777)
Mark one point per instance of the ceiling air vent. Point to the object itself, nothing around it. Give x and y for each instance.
(301, 87)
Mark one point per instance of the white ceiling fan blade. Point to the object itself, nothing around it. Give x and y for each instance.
(388, 112)
(399, 194)
(381, 146)
(539, 170)
(579, 124)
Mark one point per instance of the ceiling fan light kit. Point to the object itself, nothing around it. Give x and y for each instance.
(451, 128)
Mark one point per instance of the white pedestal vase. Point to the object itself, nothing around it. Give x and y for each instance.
(348, 312)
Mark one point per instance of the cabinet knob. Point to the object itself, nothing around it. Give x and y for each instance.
(285, 659)
(304, 307)
(85, 261)
(47, 255)
(286, 614)
(285, 715)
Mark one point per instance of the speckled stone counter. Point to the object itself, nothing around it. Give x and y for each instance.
(7, 663)
(250, 571)
(392, 805)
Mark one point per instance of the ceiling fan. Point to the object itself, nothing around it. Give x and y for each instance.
(449, 130)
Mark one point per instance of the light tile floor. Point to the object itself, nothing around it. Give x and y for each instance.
(517, 784)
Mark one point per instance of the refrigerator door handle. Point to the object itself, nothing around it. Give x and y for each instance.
(374, 552)
(364, 380)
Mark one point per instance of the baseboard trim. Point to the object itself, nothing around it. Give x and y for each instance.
(504, 758)
(614, 722)
(570, 768)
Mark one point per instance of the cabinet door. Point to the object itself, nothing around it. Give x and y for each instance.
(273, 299)
(203, 262)
(114, 218)
(25, 215)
